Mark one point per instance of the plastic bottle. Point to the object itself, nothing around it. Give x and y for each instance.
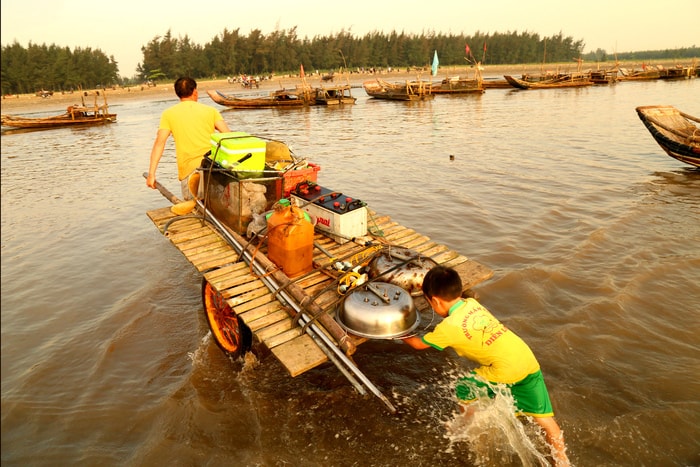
(290, 239)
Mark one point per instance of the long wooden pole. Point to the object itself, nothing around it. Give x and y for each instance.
(544, 56)
(165, 192)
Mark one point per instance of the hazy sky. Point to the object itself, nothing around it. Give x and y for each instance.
(121, 27)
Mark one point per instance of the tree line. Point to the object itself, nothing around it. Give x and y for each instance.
(282, 52)
(231, 53)
(682, 54)
(41, 67)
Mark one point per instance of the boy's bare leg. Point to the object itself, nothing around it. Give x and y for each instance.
(555, 438)
(467, 409)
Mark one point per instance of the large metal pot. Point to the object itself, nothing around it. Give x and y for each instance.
(378, 310)
(403, 267)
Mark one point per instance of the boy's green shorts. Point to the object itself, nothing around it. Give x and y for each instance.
(530, 394)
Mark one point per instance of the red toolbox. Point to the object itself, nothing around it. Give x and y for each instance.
(294, 177)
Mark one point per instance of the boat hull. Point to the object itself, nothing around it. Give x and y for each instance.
(55, 122)
(458, 87)
(554, 83)
(495, 84)
(639, 75)
(677, 133)
(75, 116)
(277, 100)
(398, 92)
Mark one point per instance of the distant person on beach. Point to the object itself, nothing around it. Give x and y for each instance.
(505, 359)
(191, 125)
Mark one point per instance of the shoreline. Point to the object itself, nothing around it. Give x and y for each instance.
(59, 101)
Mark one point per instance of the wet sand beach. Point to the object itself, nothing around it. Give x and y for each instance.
(164, 90)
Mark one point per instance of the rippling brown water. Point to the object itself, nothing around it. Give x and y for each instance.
(592, 231)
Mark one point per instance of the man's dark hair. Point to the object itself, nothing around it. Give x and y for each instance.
(185, 86)
(442, 282)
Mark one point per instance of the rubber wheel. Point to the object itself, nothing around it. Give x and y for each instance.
(229, 331)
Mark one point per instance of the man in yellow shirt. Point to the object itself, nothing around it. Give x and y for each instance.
(474, 333)
(191, 124)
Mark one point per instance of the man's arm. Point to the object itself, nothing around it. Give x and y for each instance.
(156, 154)
(221, 126)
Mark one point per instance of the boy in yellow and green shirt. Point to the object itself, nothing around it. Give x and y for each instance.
(474, 333)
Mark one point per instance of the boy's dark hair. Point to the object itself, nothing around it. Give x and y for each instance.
(185, 86)
(442, 282)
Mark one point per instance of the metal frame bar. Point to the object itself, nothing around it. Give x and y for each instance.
(335, 354)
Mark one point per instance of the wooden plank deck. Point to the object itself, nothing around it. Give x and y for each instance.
(261, 311)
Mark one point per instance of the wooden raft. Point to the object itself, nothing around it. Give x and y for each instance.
(265, 315)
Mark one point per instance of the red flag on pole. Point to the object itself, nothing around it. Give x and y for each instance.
(484, 46)
(301, 67)
(466, 49)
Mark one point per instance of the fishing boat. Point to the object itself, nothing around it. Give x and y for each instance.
(542, 76)
(74, 116)
(551, 79)
(677, 72)
(563, 80)
(459, 85)
(676, 132)
(281, 98)
(407, 91)
(334, 95)
(495, 83)
(648, 72)
(605, 76)
(308, 277)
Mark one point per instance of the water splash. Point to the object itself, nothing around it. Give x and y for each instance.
(197, 356)
(492, 435)
(250, 362)
(495, 435)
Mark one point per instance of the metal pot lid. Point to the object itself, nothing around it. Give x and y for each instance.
(378, 310)
(403, 267)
